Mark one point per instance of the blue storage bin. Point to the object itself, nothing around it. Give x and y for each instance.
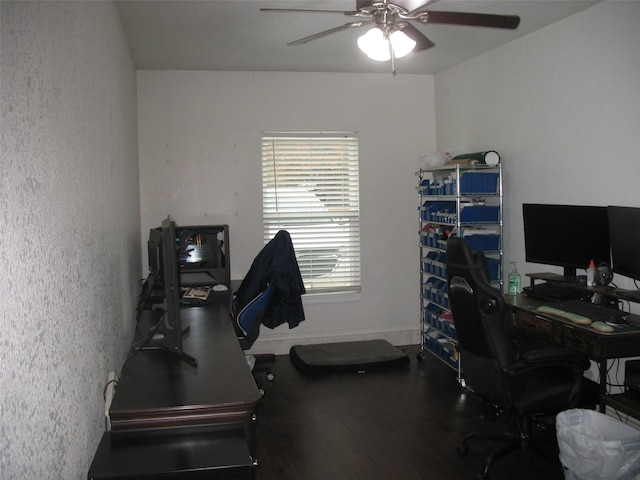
(428, 239)
(479, 214)
(425, 211)
(440, 265)
(446, 350)
(479, 182)
(428, 265)
(438, 211)
(452, 330)
(432, 341)
(450, 188)
(435, 240)
(424, 187)
(448, 329)
(432, 311)
(483, 242)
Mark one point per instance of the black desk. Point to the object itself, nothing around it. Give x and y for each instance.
(158, 392)
(623, 342)
(157, 389)
(214, 453)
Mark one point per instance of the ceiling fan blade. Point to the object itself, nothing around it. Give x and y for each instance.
(422, 42)
(327, 32)
(302, 10)
(472, 19)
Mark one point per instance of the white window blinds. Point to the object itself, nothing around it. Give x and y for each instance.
(310, 188)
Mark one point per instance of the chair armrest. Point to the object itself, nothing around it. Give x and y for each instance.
(557, 355)
(548, 357)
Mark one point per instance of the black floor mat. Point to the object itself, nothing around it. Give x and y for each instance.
(347, 356)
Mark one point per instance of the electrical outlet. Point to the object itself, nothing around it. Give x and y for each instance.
(109, 392)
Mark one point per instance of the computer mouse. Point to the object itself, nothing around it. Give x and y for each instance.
(616, 320)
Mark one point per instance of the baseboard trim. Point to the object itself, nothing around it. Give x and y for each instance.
(280, 344)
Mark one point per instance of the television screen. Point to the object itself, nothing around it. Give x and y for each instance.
(568, 236)
(624, 231)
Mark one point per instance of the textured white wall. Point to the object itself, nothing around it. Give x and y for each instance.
(70, 237)
(199, 136)
(562, 106)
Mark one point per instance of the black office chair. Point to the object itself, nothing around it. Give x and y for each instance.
(531, 383)
(270, 295)
(247, 322)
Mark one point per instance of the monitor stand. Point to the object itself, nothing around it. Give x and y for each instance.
(156, 341)
(561, 279)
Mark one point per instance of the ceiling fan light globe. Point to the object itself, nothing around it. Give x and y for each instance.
(374, 45)
(401, 43)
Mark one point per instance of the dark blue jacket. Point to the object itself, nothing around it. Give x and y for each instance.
(276, 263)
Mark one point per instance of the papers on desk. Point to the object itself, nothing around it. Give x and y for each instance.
(197, 293)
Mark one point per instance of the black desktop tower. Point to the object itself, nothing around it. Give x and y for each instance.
(632, 379)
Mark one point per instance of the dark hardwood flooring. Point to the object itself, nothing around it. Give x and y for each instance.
(402, 424)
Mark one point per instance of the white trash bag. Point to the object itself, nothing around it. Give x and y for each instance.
(596, 446)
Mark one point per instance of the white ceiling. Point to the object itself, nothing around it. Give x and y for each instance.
(235, 35)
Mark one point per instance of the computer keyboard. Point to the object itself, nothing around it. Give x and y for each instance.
(551, 291)
(597, 313)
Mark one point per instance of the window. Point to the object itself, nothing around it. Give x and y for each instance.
(310, 188)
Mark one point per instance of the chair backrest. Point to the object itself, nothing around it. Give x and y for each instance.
(249, 318)
(478, 314)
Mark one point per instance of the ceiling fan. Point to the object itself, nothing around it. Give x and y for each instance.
(393, 35)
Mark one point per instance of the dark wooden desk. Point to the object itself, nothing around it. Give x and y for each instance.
(600, 347)
(189, 453)
(183, 419)
(157, 389)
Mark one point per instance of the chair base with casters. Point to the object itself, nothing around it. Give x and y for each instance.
(522, 437)
(257, 366)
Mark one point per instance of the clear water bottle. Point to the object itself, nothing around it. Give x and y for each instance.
(514, 280)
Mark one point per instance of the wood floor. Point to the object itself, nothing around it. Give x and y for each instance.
(397, 424)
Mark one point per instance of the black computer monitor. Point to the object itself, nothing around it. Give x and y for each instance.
(624, 231)
(568, 236)
(154, 252)
(164, 280)
(152, 288)
(172, 327)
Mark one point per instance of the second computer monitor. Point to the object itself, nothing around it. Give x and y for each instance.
(568, 236)
(203, 255)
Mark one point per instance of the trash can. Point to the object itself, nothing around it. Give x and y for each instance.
(596, 446)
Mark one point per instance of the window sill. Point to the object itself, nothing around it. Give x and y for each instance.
(336, 297)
